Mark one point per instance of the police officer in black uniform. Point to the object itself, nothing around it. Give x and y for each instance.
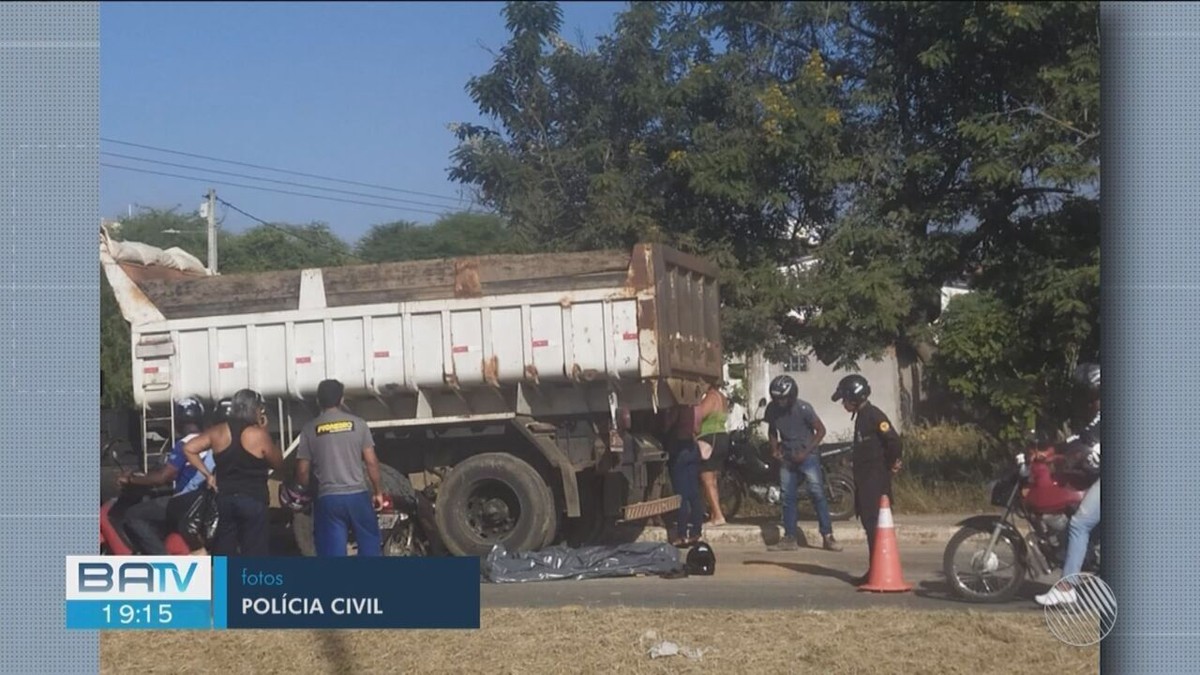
(877, 451)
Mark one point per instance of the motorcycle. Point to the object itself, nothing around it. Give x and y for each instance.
(1032, 490)
(751, 470)
(401, 530)
(113, 540)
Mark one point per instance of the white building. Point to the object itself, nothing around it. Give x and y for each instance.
(892, 386)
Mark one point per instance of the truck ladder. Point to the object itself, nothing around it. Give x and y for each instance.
(159, 447)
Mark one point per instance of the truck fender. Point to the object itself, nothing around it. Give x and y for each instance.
(558, 459)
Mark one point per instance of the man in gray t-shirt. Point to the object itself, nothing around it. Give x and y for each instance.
(336, 446)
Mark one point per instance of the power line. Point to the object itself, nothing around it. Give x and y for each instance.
(311, 242)
(272, 180)
(268, 168)
(267, 189)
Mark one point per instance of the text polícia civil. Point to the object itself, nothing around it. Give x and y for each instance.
(307, 606)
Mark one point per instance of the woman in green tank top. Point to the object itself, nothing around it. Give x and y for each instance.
(711, 415)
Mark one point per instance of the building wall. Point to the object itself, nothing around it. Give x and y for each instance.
(817, 381)
(899, 394)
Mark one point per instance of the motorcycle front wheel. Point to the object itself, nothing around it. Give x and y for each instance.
(974, 574)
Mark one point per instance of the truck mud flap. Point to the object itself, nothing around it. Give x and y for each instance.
(655, 507)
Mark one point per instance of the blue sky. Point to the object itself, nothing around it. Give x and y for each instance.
(357, 91)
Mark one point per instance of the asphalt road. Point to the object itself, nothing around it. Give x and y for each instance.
(749, 577)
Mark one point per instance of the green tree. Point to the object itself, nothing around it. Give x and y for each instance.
(116, 388)
(923, 140)
(1006, 351)
(965, 123)
(458, 234)
(284, 247)
(658, 136)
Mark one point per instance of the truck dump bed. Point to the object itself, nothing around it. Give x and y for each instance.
(397, 329)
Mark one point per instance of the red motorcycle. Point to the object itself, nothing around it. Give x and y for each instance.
(989, 558)
(113, 540)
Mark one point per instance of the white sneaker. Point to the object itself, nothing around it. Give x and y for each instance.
(1055, 597)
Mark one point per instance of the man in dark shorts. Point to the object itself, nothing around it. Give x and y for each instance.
(336, 445)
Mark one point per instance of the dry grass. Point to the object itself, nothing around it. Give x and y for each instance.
(912, 496)
(925, 497)
(579, 640)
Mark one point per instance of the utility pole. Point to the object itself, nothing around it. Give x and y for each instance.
(212, 230)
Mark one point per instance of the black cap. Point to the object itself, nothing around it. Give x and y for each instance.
(329, 393)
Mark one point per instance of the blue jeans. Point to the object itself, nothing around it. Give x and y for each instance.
(684, 465)
(335, 515)
(243, 526)
(789, 483)
(1079, 532)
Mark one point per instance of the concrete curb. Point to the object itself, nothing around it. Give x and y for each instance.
(770, 534)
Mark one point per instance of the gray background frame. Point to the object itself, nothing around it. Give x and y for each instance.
(1150, 304)
(49, 347)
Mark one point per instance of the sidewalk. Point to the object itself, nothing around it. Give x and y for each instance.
(910, 528)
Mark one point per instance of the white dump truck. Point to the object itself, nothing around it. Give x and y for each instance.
(522, 388)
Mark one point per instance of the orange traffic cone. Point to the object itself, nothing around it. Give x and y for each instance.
(886, 575)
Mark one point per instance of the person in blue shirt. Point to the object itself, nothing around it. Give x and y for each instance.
(148, 523)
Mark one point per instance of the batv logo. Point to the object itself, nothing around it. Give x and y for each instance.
(138, 578)
(150, 577)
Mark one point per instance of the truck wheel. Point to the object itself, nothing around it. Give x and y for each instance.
(393, 483)
(494, 498)
(302, 530)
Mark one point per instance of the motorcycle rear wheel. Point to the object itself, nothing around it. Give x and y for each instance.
(731, 492)
(951, 567)
(840, 493)
(397, 544)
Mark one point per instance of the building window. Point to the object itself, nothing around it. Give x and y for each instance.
(797, 363)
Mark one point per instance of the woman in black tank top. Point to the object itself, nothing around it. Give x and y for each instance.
(240, 478)
(238, 472)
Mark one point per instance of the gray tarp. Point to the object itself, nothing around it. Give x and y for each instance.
(590, 562)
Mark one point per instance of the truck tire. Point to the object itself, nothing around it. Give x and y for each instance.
(494, 498)
(302, 531)
(393, 483)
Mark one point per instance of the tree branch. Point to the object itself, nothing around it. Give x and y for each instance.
(1085, 136)
(870, 35)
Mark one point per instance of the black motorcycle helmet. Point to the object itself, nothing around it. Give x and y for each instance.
(188, 411)
(783, 389)
(852, 389)
(221, 414)
(701, 560)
